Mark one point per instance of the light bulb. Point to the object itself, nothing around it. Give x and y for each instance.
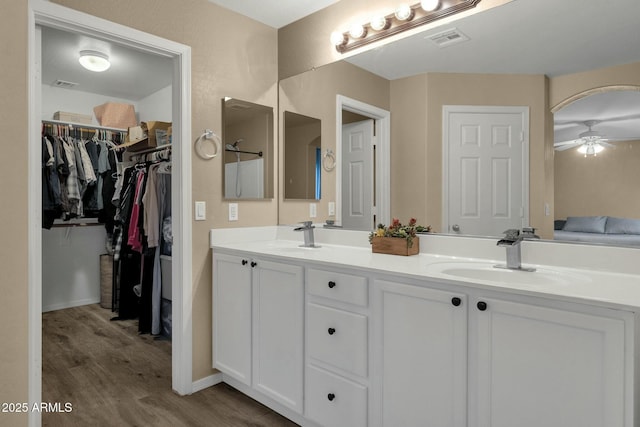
(338, 38)
(590, 149)
(94, 61)
(379, 23)
(430, 5)
(404, 12)
(357, 31)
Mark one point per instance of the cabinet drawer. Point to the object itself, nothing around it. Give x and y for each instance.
(334, 401)
(342, 287)
(338, 338)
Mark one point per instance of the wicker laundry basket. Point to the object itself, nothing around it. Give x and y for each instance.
(106, 277)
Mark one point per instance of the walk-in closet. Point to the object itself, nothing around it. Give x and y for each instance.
(106, 181)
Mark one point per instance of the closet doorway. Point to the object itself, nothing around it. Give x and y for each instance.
(52, 16)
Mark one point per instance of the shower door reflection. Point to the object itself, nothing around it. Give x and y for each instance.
(248, 141)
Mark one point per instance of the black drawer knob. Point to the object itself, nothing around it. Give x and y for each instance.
(244, 262)
(331, 331)
(253, 264)
(331, 396)
(482, 306)
(456, 301)
(332, 284)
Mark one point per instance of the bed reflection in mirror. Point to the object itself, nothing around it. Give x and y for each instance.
(302, 157)
(248, 150)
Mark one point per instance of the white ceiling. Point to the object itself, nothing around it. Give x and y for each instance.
(275, 13)
(133, 74)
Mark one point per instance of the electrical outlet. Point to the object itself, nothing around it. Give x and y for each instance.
(201, 211)
(233, 211)
(332, 208)
(547, 209)
(313, 210)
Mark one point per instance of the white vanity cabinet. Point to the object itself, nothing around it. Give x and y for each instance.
(535, 365)
(452, 359)
(258, 325)
(420, 356)
(337, 348)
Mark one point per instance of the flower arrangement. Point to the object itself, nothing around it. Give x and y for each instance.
(396, 229)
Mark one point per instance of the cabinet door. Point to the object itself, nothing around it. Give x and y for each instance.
(232, 316)
(278, 332)
(421, 340)
(537, 366)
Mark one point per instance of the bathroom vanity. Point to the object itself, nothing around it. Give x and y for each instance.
(339, 336)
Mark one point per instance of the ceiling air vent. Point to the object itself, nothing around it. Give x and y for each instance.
(448, 37)
(64, 84)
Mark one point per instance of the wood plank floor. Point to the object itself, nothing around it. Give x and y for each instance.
(114, 377)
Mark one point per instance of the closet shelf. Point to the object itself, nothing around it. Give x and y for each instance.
(83, 125)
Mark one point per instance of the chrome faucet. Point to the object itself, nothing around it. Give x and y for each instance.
(309, 241)
(511, 241)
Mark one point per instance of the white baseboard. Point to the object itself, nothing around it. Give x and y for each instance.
(69, 304)
(206, 382)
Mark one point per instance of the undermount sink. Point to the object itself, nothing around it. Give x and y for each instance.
(490, 273)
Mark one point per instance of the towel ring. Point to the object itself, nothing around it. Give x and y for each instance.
(217, 144)
(328, 160)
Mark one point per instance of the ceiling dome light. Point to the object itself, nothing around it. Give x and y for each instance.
(357, 31)
(94, 61)
(404, 12)
(380, 23)
(338, 39)
(590, 149)
(430, 5)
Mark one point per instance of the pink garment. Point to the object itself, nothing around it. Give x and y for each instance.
(135, 236)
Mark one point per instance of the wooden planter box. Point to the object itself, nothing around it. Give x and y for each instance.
(395, 246)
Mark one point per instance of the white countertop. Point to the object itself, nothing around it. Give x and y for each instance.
(606, 288)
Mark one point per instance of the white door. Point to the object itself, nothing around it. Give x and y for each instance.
(539, 366)
(486, 169)
(278, 362)
(421, 341)
(232, 316)
(357, 175)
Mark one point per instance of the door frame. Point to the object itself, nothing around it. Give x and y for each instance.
(382, 165)
(447, 110)
(44, 13)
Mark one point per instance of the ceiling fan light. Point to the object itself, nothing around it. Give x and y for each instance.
(590, 149)
(94, 61)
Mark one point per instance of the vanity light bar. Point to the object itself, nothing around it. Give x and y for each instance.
(404, 18)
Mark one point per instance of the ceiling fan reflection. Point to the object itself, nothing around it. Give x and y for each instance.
(590, 142)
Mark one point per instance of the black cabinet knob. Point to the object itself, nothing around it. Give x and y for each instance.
(244, 262)
(253, 264)
(331, 396)
(456, 301)
(331, 331)
(332, 284)
(482, 306)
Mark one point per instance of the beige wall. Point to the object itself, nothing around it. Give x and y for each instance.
(13, 227)
(563, 87)
(606, 184)
(417, 137)
(313, 94)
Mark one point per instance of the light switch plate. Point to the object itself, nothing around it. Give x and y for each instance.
(201, 211)
(233, 211)
(332, 208)
(313, 210)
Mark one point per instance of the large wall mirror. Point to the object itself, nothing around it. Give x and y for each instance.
(415, 81)
(248, 150)
(302, 157)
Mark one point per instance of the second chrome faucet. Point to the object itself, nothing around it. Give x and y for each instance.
(511, 242)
